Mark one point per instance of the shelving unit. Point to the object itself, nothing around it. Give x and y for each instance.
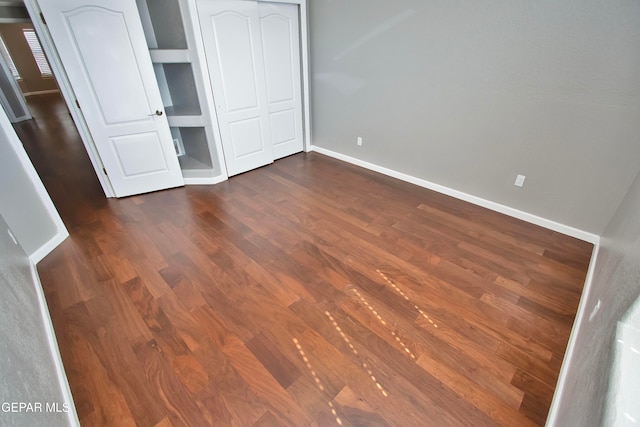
(171, 44)
(178, 89)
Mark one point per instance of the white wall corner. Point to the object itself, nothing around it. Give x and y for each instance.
(49, 246)
(61, 232)
(558, 394)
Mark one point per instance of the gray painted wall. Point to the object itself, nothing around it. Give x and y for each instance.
(468, 94)
(27, 369)
(588, 392)
(20, 203)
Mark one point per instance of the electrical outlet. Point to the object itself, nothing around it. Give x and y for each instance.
(359, 140)
(519, 181)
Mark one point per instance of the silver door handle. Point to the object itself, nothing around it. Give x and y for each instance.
(157, 113)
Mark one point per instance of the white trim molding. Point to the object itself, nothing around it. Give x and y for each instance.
(42, 92)
(497, 207)
(44, 250)
(55, 350)
(558, 394)
(205, 181)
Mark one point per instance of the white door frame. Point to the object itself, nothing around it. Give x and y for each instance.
(304, 63)
(67, 93)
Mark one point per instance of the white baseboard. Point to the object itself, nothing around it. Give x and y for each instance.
(205, 181)
(515, 213)
(49, 246)
(558, 395)
(41, 92)
(55, 350)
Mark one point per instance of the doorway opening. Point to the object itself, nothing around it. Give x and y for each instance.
(53, 144)
(25, 58)
(34, 104)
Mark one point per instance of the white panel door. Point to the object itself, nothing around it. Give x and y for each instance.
(281, 51)
(102, 47)
(231, 36)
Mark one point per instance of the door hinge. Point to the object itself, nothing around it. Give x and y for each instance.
(43, 20)
(105, 171)
(77, 103)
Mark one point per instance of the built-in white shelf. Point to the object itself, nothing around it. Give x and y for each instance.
(168, 56)
(172, 47)
(189, 163)
(181, 121)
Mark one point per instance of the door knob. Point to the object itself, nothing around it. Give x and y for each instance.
(157, 113)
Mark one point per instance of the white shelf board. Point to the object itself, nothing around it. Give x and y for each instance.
(188, 163)
(170, 56)
(185, 121)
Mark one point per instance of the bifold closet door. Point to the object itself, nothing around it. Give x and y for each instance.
(281, 50)
(254, 69)
(231, 35)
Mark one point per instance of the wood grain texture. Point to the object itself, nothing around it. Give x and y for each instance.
(308, 292)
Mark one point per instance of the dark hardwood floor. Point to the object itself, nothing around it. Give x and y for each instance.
(307, 292)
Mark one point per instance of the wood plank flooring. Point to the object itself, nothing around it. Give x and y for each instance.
(307, 292)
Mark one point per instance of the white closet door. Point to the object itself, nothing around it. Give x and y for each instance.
(281, 51)
(102, 47)
(232, 42)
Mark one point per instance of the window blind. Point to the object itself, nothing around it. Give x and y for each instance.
(38, 54)
(7, 58)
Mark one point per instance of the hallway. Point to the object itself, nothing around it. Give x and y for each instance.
(54, 146)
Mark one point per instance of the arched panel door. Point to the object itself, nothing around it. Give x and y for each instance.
(253, 56)
(233, 46)
(280, 33)
(102, 47)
